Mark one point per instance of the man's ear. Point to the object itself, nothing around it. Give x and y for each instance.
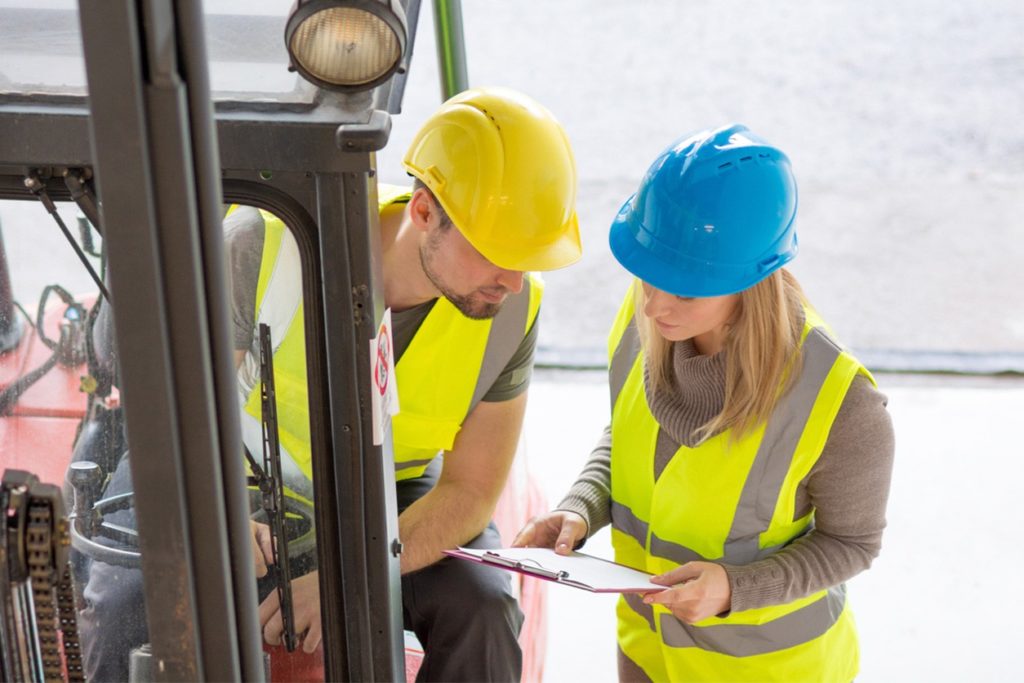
(422, 210)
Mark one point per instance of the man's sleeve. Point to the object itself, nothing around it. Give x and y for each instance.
(243, 241)
(515, 378)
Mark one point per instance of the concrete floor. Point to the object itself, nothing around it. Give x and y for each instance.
(937, 605)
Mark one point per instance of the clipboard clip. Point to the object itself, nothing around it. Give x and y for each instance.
(527, 566)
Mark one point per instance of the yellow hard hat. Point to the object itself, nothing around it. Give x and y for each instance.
(501, 167)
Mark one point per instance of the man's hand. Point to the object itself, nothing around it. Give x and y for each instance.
(559, 529)
(306, 607)
(699, 590)
(262, 547)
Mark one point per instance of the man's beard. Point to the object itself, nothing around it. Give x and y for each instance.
(466, 304)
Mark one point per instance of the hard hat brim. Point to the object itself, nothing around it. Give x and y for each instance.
(564, 251)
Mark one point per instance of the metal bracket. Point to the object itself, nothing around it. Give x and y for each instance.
(365, 137)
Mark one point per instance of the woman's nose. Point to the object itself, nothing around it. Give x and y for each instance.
(655, 302)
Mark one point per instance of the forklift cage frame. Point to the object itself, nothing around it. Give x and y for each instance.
(164, 163)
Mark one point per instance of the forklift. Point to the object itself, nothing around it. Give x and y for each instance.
(135, 127)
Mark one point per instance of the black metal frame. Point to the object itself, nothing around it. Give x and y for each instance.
(154, 202)
(153, 141)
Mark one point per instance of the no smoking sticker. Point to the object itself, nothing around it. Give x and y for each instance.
(382, 371)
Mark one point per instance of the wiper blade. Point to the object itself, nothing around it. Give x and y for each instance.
(272, 487)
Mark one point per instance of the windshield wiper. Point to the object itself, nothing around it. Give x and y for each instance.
(271, 485)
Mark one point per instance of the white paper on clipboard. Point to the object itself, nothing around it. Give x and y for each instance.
(578, 570)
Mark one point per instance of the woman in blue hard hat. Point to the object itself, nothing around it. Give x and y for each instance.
(748, 459)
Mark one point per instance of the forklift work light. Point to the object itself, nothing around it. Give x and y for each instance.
(346, 45)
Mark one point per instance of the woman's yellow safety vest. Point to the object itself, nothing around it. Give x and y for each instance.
(732, 502)
(447, 368)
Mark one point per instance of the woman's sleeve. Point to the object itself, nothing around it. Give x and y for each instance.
(590, 496)
(848, 488)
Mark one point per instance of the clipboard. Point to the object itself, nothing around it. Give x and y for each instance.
(578, 570)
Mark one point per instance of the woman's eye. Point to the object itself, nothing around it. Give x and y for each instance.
(684, 298)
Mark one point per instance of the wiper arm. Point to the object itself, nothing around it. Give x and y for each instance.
(77, 182)
(38, 188)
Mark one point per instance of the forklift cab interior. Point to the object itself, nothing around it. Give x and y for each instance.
(119, 197)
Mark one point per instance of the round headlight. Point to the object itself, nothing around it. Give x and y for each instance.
(348, 47)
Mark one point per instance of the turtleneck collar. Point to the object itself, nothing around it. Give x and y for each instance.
(697, 394)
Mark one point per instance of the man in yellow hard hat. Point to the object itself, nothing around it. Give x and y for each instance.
(493, 199)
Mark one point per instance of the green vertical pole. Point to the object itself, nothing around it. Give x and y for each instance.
(451, 47)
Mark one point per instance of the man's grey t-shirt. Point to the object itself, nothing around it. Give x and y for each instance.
(243, 236)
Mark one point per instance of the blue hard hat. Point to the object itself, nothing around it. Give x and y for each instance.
(713, 215)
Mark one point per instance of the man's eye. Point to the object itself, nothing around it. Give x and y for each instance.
(684, 298)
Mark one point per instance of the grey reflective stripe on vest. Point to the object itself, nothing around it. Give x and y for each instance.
(410, 464)
(673, 551)
(745, 640)
(622, 361)
(636, 603)
(507, 332)
(775, 455)
(628, 523)
(624, 520)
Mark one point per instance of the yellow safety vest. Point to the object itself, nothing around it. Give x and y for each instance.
(732, 502)
(447, 368)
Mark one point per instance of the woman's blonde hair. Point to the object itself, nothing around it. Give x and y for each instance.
(762, 346)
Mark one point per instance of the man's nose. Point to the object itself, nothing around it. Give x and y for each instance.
(512, 280)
